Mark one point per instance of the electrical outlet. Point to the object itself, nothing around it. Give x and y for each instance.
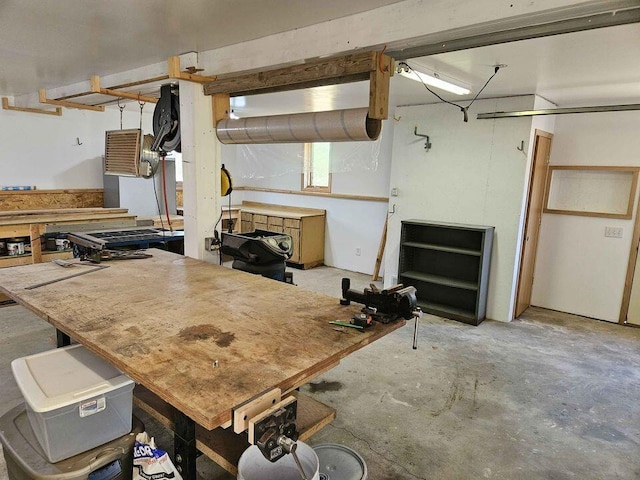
(613, 232)
(395, 191)
(358, 251)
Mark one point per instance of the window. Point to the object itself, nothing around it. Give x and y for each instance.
(317, 163)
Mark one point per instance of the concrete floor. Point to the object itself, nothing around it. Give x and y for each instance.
(548, 396)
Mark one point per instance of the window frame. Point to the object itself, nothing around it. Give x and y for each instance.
(307, 173)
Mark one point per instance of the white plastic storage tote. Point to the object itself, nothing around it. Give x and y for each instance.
(75, 401)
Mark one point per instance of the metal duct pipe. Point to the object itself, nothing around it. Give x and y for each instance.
(334, 126)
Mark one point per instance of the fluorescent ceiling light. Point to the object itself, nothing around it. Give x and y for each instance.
(433, 81)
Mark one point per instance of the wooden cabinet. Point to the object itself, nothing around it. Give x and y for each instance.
(305, 225)
(449, 266)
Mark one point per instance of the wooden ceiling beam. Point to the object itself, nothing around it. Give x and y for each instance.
(117, 87)
(42, 94)
(373, 66)
(96, 88)
(176, 73)
(6, 106)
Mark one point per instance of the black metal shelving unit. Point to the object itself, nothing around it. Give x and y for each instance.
(448, 264)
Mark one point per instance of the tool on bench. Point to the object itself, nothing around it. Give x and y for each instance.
(383, 306)
(69, 264)
(260, 252)
(348, 325)
(97, 256)
(270, 424)
(274, 432)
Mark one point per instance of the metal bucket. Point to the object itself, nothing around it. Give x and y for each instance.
(253, 465)
(62, 244)
(338, 462)
(15, 248)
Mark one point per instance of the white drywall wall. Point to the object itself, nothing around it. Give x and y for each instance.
(578, 269)
(358, 169)
(41, 150)
(473, 174)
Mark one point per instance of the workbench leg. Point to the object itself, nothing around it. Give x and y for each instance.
(184, 446)
(62, 339)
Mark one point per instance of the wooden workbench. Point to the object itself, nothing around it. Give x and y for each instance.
(164, 321)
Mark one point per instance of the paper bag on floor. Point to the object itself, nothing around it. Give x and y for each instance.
(151, 463)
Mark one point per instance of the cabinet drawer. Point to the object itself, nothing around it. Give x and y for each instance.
(247, 217)
(275, 221)
(276, 228)
(247, 226)
(259, 226)
(291, 223)
(260, 218)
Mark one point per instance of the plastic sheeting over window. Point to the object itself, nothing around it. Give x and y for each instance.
(260, 161)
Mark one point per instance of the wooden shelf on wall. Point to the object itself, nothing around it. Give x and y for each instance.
(6, 106)
(51, 199)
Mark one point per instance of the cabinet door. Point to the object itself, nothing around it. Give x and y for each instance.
(295, 235)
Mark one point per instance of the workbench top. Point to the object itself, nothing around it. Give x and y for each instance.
(165, 320)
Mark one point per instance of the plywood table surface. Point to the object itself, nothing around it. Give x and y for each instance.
(165, 320)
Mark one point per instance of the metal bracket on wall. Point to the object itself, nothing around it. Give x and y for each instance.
(427, 143)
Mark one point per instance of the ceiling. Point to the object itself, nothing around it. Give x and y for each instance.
(600, 66)
(46, 44)
(595, 67)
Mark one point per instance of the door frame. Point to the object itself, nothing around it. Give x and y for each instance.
(631, 268)
(537, 134)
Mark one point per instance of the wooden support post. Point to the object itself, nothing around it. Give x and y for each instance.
(96, 88)
(36, 243)
(379, 87)
(221, 107)
(201, 157)
(6, 106)
(175, 72)
(383, 241)
(42, 93)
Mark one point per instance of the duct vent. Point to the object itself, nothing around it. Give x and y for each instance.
(122, 152)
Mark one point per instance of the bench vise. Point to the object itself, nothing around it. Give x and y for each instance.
(385, 305)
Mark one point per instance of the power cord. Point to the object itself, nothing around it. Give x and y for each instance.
(464, 110)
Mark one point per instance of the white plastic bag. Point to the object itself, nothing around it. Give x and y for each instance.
(151, 463)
